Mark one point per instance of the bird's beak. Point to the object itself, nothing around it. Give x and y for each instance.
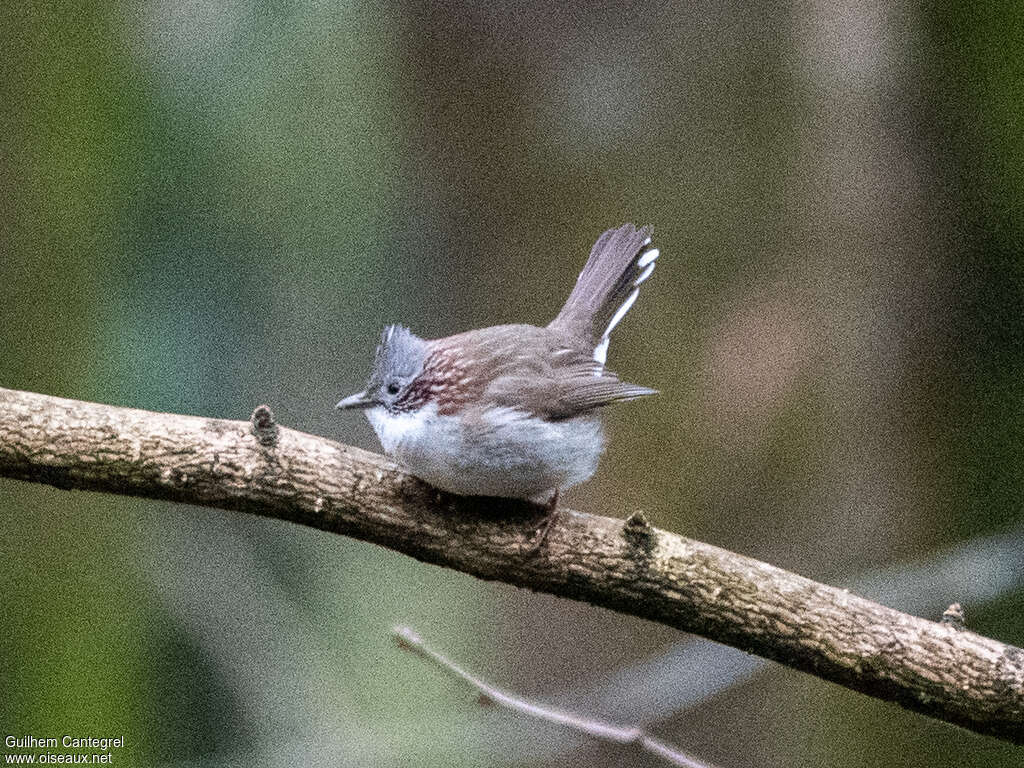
(358, 400)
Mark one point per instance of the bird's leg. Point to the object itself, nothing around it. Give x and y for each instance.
(551, 514)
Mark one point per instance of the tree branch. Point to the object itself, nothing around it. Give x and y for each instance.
(257, 467)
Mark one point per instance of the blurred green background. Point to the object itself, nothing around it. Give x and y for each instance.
(205, 206)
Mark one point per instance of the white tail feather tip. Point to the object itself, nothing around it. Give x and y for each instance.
(648, 257)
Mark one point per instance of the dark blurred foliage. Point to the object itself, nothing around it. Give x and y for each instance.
(206, 206)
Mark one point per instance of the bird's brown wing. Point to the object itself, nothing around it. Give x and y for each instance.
(571, 386)
(534, 370)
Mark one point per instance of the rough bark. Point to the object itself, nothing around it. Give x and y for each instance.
(934, 668)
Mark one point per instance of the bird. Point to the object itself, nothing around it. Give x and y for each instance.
(511, 411)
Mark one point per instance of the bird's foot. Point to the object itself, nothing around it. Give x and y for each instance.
(551, 514)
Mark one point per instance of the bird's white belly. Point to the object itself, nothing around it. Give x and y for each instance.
(500, 452)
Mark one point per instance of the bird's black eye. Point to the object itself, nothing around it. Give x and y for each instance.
(393, 388)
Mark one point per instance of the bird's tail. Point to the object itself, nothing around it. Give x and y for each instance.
(619, 262)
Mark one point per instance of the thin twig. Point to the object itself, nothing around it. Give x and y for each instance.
(409, 640)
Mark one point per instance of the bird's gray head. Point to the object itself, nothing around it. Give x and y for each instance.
(398, 361)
